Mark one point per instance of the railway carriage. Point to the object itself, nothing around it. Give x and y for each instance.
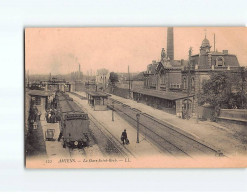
(74, 123)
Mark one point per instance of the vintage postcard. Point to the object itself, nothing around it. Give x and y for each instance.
(135, 97)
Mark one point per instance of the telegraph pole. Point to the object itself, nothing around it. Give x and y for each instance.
(138, 121)
(113, 111)
(188, 88)
(129, 80)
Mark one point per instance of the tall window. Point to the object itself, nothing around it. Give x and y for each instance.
(192, 83)
(184, 83)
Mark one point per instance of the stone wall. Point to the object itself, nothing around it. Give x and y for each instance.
(235, 114)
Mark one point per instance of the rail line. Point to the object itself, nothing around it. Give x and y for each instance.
(117, 144)
(166, 136)
(164, 144)
(110, 137)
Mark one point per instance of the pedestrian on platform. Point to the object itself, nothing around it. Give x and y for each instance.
(49, 117)
(39, 115)
(124, 136)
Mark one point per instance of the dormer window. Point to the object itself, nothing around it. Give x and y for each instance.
(220, 61)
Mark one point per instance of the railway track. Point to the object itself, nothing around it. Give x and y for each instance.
(166, 137)
(111, 139)
(77, 152)
(107, 143)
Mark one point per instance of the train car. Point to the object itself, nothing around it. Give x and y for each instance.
(74, 123)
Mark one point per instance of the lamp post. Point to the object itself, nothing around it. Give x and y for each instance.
(189, 83)
(138, 120)
(112, 111)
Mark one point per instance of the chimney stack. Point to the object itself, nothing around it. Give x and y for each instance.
(170, 44)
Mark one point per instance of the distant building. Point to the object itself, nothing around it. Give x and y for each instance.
(102, 80)
(56, 84)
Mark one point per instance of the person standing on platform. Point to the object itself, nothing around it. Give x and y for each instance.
(124, 136)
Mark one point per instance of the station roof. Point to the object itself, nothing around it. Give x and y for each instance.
(162, 94)
(39, 93)
(97, 94)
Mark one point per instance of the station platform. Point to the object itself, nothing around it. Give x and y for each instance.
(212, 133)
(54, 149)
(142, 149)
(229, 141)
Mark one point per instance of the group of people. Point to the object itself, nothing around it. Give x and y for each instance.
(34, 114)
(51, 116)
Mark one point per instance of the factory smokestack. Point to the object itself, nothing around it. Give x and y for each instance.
(170, 44)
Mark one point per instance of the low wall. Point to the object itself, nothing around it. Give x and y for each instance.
(237, 114)
(234, 118)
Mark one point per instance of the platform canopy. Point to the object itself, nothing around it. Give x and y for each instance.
(97, 94)
(162, 94)
(40, 93)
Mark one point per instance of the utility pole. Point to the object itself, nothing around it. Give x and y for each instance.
(113, 111)
(129, 80)
(214, 42)
(138, 121)
(188, 88)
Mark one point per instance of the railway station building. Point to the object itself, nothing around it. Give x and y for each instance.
(173, 85)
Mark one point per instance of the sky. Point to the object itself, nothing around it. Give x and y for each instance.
(61, 50)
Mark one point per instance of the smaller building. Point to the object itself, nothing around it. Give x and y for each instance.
(98, 100)
(171, 102)
(41, 99)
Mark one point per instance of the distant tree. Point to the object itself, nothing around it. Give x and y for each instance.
(139, 77)
(241, 87)
(113, 79)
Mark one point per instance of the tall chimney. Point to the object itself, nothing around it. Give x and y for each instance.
(170, 44)
(214, 42)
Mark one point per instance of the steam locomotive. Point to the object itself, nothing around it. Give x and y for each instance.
(74, 122)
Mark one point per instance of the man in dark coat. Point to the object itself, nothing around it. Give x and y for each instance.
(124, 136)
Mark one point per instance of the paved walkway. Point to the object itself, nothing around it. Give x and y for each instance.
(54, 149)
(116, 127)
(212, 133)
